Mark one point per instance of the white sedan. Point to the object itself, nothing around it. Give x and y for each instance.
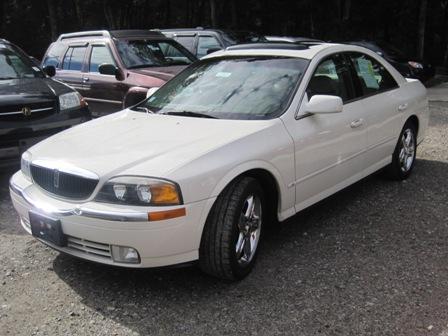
(243, 138)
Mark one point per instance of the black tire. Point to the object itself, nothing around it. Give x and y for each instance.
(398, 169)
(217, 252)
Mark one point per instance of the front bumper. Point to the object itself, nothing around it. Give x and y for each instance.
(92, 228)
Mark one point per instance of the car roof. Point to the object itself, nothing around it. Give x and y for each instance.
(277, 49)
(112, 34)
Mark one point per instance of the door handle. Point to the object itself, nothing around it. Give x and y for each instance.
(356, 123)
(85, 79)
(403, 107)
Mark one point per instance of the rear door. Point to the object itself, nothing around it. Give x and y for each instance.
(104, 93)
(72, 67)
(382, 105)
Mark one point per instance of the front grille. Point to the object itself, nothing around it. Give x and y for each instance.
(65, 185)
(89, 247)
(39, 110)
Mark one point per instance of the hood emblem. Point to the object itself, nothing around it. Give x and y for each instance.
(26, 111)
(56, 178)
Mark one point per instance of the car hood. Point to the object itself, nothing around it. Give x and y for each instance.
(130, 142)
(24, 90)
(164, 73)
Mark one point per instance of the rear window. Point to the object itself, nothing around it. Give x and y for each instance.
(54, 55)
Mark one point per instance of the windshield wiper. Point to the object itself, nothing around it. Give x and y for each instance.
(144, 109)
(4, 78)
(142, 66)
(190, 114)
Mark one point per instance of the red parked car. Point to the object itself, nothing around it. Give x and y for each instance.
(115, 69)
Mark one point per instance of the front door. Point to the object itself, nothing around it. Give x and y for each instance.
(328, 147)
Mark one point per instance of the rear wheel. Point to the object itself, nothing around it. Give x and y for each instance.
(233, 230)
(403, 158)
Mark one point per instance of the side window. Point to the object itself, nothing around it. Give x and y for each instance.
(205, 43)
(331, 78)
(187, 42)
(371, 75)
(53, 55)
(74, 58)
(100, 55)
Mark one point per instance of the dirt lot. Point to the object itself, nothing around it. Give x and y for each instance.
(371, 260)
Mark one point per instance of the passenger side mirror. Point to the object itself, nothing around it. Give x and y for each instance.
(111, 70)
(212, 50)
(50, 70)
(324, 104)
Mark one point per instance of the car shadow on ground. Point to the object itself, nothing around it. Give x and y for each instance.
(373, 253)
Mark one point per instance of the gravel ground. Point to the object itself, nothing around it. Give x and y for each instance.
(371, 260)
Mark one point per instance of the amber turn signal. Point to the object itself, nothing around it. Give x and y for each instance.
(164, 193)
(166, 214)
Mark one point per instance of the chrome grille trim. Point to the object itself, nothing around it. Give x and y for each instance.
(32, 111)
(89, 247)
(60, 183)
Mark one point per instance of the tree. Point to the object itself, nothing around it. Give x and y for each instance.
(422, 28)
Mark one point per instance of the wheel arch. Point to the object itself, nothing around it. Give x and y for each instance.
(414, 119)
(270, 179)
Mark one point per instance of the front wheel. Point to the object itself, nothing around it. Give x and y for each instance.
(403, 158)
(233, 230)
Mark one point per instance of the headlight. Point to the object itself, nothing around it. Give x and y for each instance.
(25, 162)
(70, 100)
(415, 65)
(135, 190)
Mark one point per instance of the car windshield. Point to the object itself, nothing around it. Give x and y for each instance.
(15, 65)
(258, 87)
(148, 53)
(241, 37)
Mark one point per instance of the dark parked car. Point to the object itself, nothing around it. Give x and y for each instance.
(410, 67)
(32, 105)
(115, 69)
(201, 42)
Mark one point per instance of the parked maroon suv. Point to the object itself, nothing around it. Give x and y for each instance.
(115, 69)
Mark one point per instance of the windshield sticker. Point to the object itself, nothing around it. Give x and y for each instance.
(36, 69)
(223, 74)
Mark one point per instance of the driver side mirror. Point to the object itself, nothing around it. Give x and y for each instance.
(111, 70)
(50, 70)
(324, 104)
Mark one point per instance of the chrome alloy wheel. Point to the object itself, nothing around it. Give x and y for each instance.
(249, 230)
(407, 151)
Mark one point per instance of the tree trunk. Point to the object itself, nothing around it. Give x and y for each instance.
(79, 14)
(422, 28)
(52, 18)
(213, 13)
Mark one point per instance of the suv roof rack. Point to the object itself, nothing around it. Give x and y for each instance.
(112, 33)
(270, 45)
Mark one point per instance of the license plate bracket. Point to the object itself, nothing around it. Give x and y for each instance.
(46, 228)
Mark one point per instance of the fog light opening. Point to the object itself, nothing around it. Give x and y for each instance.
(125, 254)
